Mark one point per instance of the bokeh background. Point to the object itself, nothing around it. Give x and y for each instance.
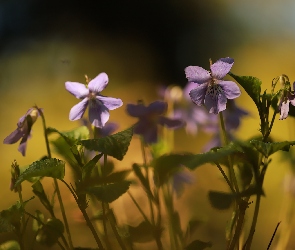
(141, 45)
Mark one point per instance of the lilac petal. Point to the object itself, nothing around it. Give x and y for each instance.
(157, 108)
(231, 89)
(220, 68)
(151, 135)
(13, 137)
(170, 123)
(284, 110)
(98, 114)
(99, 83)
(187, 89)
(23, 145)
(292, 99)
(110, 102)
(108, 129)
(215, 104)
(77, 89)
(198, 94)
(197, 74)
(78, 110)
(136, 110)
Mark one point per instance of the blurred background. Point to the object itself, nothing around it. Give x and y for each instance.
(141, 45)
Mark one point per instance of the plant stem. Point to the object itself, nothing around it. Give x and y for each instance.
(89, 224)
(55, 182)
(148, 181)
(232, 175)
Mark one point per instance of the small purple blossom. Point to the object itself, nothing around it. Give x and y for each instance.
(23, 130)
(149, 119)
(194, 116)
(179, 179)
(211, 90)
(99, 105)
(286, 98)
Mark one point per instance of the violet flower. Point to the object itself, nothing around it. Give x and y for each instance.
(179, 179)
(211, 90)
(99, 105)
(23, 130)
(286, 98)
(149, 119)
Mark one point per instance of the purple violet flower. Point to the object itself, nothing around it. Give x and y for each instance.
(149, 118)
(23, 130)
(179, 179)
(211, 90)
(286, 98)
(99, 105)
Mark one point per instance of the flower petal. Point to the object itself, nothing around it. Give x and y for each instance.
(110, 102)
(170, 123)
(198, 94)
(99, 83)
(231, 89)
(136, 110)
(13, 137)
(23, 145)
(215, 104)
(197, 74)
(157, 107)
(284, 110)
(98, 114)
(77, 89)
(78, 110)
(220, 68)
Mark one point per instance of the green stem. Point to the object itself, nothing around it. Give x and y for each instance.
(139, 208)
(148, 181)
(225, 177)
(55, 182)
(23, 217)
(232, 175)
(270, 127)
(89, 224)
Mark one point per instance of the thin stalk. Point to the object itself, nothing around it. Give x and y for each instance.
(148, 181)
(112, 220)
(55, 182)
(104, 221)
(225, 177)
(270, 127)
(248, 243)
(232, 175)
(23, 218)
(89, 224)
(138, 207)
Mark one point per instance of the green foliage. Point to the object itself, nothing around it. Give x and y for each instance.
(109, 192)
(198, 245)
(268, 148)
(10, 245)
(221, 200)
(252, 86)
(40, 193)
(50, 232)
(88, 167)
(114, 145)
(44, 168)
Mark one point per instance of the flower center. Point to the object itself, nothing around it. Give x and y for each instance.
(214, 90)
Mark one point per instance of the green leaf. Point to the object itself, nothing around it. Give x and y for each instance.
(114, 145)
(49, 167)
(109, 192)
(167, 165)
(50, 232)
(198, 245)
(71, 136)
(221, 200)
(11, 217)
(142, 233)
(268, 148)
(252, 86)
(40, 193)
(10, 245)
(88, 167)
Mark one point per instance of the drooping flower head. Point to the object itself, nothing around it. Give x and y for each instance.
(211, 90)
(287, 97)
(99, 105)
(149, 119)
(23, 130)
